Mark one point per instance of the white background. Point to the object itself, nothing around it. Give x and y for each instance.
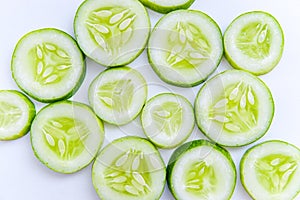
(22, 176)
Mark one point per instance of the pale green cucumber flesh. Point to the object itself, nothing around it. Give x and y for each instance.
(112, 32)
(167, 119)
(271, 170)
(117, 95)
(234, 108)
(48, 65)
(185, 47)
(167, 6)
(129, 168)
(201, 170)
(254, 42)
(16, 114)
(66, 136)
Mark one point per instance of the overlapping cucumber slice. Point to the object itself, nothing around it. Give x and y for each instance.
(185, 47)
(201, 170)
(129, 168)
(254, 42)
(48, 65)
(164, 6)
(16, 114)
(234, 108)
(66, 136)
(271, 171)
(168, 119)
(112, 32)
(117, 95)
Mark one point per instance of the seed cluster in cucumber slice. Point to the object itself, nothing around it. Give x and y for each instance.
(16, 114)
(48, 65)
(185, 47)
(201, 170)
(129, 168)
(271, 170)
(168, 119)
(112, 32)
(66, 136)
(254, 42)
(117, 95)
(164, 6)
(234, 108)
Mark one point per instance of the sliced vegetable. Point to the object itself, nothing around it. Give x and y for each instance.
(201, 170)
(163, 6)
(185, 47)
(112, 32)
(271, 170)
(168, 119)
(254, 42)
(129, 168)
(117, 95)
(48, 65)
(66, 136)
(16, 114)
(234, 108)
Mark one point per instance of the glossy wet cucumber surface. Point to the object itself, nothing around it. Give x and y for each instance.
(234, 108)
(163, 6)
(66, 136)
(254, 42)
(201, 170)
(48, 65)
(129, 168)
(112, 32)
(271, 170)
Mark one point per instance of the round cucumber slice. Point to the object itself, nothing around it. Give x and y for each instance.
(129, 168)
(271, 171)
(234, 108)
(201, 170)
(254, 42)
(48, 65)
(118, 95)
(66, 136)
(16, 114)
(185, 47)
(163, 6)
(168, 119)
(112, 32)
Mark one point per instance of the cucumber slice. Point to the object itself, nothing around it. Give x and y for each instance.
(117, 95)
(234, 108)
(185, 47)
(129, 168)
(168, 120)
(112, 32)
(48, 65)
(66, 136)
(271, 171)
(16, 114)
(201, 170)
(163, 6)
(254, 42)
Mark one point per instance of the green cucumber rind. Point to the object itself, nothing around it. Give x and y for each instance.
(79, 82)
(100, 123)
(238, 145)
(180, 151)
(32, 113)
(266, 70)
(166, 9)
(120, 64)
(118, 140)
(184, 139)
(249, 151)
(179, 84)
